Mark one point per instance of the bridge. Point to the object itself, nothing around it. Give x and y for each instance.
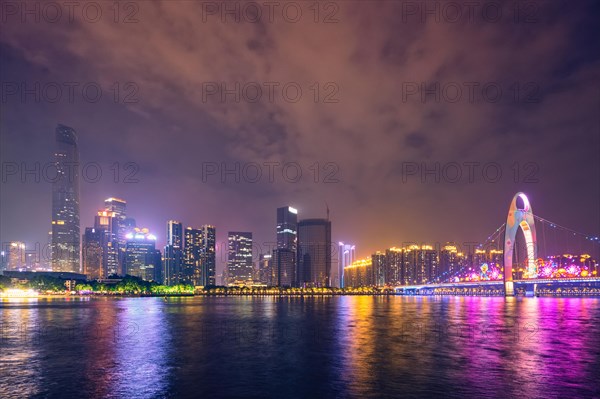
(536, 275)
(580, 286)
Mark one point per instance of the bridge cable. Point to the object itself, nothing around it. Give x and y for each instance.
(543, 239)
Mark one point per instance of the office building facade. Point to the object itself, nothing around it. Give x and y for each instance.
(200, 255)
(314, 253)
(346, 256)
(173, 254)
(92, 253)
(141, 257)
(240, 268)
(66, 236)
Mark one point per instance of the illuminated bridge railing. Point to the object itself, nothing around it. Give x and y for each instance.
(466, 284)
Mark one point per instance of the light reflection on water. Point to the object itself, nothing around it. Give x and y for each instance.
(354, 346)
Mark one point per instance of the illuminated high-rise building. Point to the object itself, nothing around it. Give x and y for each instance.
(410, 273)
(266, 273)
(378, 260)
(285, 256)
(240, 269)
(173, 254)
(284, 261)
(119, 207)
(419, 264)
(449, 262)
(16, 255)
(200, 255)
(209, 261)
(121, 226)
(346, 256)
(66, 235)
(396, 270)
(175, 233)
(141, 257)
(287, 228)
(193, 250)
(92, 253)
(314, 253)
(360, 274)
(3, 260)
(428, 264)
(107, 223)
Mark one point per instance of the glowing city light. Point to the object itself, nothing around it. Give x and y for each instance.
(18, 293)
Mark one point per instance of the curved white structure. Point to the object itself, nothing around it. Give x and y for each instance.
(519, 217)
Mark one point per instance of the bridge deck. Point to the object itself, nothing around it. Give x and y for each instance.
(497, 282)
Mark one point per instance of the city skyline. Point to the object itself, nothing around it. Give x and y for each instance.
(70, 175)
(103, 221)
(300, 199)
(302, 255)
(371, 146)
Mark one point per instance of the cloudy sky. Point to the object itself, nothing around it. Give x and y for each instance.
(370, 94)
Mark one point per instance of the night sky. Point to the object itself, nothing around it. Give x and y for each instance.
(369, 121)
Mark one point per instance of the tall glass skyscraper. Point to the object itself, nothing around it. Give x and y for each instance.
(16, 255)
(266, 273)
(118, 207)
(284, 261)
(240, 269)
(200, 255)
(314, 253)
(287, 228)
(66, 235)
(193, 250)
(92, 253)
(107, 223)
(173, 254)
(346, 256)
(209, 260)
(285, 255)
(141, 257)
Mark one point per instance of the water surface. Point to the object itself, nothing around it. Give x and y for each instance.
(348, 346)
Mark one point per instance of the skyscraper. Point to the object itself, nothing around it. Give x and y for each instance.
(346, 256)
(287, 228)
(449, 262)
(284, 261)
(200, 255)
(286, 253)
(419, 265)
(16, 255)
(266, 273)
(395, 270)
(378, 260)
(173, 254)
(314, 253)
(428, 258)
(120, 226)
(209, 260)
(141, 257)
(360, 273)
(107, 224)
(240, 269)
(65, 203)
(410, 259)
(3, 260)
(119, 207)
(92, 253)
(193, 249)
